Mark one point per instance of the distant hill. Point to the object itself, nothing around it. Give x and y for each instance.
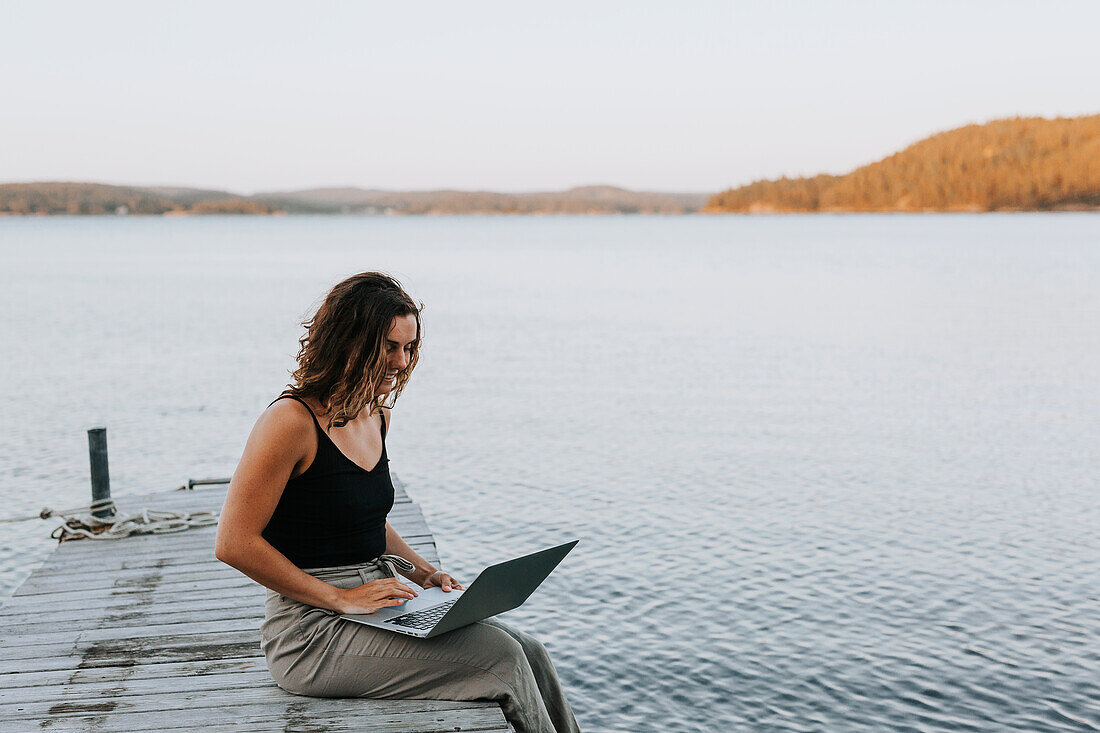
(584, 200)
(1017, 164)
(100, 198)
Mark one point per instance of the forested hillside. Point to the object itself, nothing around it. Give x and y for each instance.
(99, 198)
(1007, 165)
(581, 200)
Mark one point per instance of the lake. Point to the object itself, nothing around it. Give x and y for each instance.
(829, 472)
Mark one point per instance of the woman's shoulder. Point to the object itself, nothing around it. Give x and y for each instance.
(283, 434)
(287, 418)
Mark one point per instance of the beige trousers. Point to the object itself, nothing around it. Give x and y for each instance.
(312, 651)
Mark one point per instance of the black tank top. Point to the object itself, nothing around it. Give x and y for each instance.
(334, 512)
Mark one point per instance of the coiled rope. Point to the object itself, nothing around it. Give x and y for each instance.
(81, 522)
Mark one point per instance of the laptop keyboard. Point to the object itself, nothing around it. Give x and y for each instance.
(425, 619)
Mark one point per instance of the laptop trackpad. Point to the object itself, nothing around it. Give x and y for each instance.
(427, 598)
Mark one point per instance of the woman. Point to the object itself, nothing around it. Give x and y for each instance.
(306, 518)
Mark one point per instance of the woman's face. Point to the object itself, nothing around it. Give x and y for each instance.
(400, 342)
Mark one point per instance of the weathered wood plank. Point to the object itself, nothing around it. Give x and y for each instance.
(128, 635)
(43, 616)
(141, 583)
(245, 705)
(158, 627)
(226, 597)
(296, 717)
(228, 691)
(150, 632)
(152, 583)
(12, 633)
(169, 596)
(165, 699)
(129, 579)
(20, 608)
(123, 651)
(139, 671)
(92, 692)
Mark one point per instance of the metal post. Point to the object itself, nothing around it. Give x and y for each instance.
(101, 479)
(193, 482)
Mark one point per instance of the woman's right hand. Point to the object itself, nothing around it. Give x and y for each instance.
(375, 594)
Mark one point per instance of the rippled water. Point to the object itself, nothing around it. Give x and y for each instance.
(831, 473)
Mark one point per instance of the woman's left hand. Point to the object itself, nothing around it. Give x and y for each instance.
(442, 580)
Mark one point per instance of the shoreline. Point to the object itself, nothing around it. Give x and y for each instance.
(701, 212)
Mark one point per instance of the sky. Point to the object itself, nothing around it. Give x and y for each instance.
(516, 96)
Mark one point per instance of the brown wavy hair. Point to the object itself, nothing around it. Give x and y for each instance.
(342, 359)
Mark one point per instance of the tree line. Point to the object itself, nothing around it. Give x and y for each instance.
(98, 198)
(1017, 164)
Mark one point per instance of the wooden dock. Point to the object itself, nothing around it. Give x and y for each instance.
(152, 632)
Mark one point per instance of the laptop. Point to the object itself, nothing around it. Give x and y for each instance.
(497, 589)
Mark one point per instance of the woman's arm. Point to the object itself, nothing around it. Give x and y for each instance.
(425, 575)
(276, 445)
(397, 546)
